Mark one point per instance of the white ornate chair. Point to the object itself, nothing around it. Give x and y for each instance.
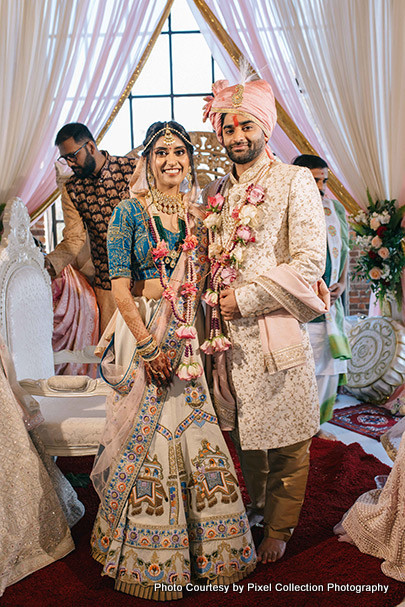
(73, 407)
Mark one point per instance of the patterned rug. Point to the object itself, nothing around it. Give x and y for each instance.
(366, 419)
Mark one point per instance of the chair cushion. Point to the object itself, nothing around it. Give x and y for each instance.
(66, 386)
(73, 425)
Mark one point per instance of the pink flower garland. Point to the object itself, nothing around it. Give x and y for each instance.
(225, 263)
(188, 368)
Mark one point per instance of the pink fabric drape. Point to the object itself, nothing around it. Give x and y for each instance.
(337, 68)
(83, 55)
(239, 21)
(75, 319)
(280, 330)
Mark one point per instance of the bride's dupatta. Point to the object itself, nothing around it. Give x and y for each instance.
(132, 414)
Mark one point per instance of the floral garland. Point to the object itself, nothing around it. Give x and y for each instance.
(189, 368)
(380, 236)
(226, 259)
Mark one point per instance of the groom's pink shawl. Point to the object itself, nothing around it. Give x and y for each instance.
(280, 332)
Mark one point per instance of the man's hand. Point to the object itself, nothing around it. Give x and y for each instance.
(50, 269)
(228, 305)
(335, 291)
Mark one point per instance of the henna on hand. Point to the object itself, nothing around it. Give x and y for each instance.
(159, 370)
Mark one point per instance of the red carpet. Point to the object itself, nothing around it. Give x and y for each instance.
(314, 557)
(366, 419)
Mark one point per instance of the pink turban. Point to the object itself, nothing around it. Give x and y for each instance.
(254, 99)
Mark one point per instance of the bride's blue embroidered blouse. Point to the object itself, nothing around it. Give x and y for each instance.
(130, 243)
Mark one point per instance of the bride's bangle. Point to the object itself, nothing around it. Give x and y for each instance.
(148, 348)
(152, 356)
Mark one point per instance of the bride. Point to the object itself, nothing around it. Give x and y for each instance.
(171, 508)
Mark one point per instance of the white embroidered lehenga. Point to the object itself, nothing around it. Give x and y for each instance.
(171, 509)
(376, 521)
(37, 504)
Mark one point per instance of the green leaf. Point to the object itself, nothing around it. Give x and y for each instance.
(397, 217)
(359, 229)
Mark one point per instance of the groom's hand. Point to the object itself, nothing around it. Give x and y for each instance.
(228, 305)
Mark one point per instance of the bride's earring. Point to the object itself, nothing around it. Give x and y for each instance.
(189, 178)
(150, 177)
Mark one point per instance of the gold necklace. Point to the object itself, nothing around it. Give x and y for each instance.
(166, 203)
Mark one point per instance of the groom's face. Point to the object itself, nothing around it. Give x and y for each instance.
(243, 139)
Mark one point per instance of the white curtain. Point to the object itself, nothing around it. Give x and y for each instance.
(280, 143)
(61, 61)
(338, 68)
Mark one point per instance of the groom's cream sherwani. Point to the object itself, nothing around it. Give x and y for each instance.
(274, 410)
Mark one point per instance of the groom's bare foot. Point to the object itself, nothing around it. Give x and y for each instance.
(270, 550)
(325, 435)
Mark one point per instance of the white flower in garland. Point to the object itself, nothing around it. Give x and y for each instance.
(213, 221)
(238, 254)
(214, 250)
(248, 214)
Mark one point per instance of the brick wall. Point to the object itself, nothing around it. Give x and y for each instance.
(38, 229)
(359, 290)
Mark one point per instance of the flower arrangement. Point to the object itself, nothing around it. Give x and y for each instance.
(380, 236)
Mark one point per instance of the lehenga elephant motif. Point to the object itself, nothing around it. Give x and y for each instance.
(212, 476)
(148, 488)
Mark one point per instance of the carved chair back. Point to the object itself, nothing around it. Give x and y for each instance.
(26, 314)
(73, 421)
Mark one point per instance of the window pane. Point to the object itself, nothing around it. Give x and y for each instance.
(191, 64)
(58, 209)
(218, 74)
(147, 111)
(182, 17)
(60, 226)
(154, 79)
(188, 111)
(117, 140)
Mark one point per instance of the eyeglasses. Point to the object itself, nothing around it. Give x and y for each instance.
(71, 157)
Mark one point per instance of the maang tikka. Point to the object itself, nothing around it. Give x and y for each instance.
(168, 137)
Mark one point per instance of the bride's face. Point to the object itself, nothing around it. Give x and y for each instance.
(169, 164)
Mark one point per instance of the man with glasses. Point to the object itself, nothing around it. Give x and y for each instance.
(99, 182)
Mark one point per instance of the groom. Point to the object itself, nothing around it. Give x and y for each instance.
(276, 391)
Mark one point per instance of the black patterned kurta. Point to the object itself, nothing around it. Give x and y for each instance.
(95, 198)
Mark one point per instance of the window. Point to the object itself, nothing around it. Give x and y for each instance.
(176, 77)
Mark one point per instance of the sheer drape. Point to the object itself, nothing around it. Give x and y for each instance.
(60, 62)
(338, 69)
(280, 143)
